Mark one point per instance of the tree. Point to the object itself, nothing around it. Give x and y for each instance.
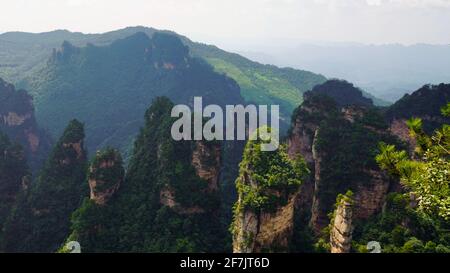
(428, 178)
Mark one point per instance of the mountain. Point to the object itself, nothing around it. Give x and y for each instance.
(171, 187)
(425, 103)
(110, 87)
(18, 122)
(26, 54)
(333, 130)
(40, 219)
(386, 71)
(348, 199)
(342, 92)
(324, 190)
(347, 173)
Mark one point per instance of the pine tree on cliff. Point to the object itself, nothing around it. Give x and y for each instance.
(14, 175)
(41, 220)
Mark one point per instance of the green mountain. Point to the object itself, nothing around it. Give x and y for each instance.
(352, 196)
(268, 186)
(172, 196)
(425, 103)
(110, 87)
(26, 54)
(40, 219)
(170, 187)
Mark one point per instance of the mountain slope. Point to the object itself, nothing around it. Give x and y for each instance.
(170, 186)
(425, 103)
(261, 84)
(110, 87)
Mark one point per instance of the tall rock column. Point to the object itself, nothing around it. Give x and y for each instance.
(341, 225)
(268, 187)
(106, 173)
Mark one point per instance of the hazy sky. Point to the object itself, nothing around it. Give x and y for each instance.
(236, 22)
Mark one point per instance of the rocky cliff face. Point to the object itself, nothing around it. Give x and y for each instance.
(341, 227)
(336, 141)
(168, 201)
(265, 231)
(342, 92)
(18, 122)
(206, 159)
(268, 188)
(133, 71)
(301, 141)
(105, 176)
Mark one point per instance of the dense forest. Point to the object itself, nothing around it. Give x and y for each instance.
(347, 171)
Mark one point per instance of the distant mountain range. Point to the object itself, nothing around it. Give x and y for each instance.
(66, 71)
(386, 71)
(24, 54)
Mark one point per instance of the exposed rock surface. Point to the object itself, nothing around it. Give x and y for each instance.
(105, 176)
(371, 195)
(370, 192)
(268, 190)
(266, 231)
(341, 229)
(206, 159)
(17, 120)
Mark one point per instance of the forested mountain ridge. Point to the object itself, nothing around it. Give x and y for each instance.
(348, 173)
(176, 194)
(170, 186)
(110, 87)
(338, 139)
(424, 103)
(26, 53)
